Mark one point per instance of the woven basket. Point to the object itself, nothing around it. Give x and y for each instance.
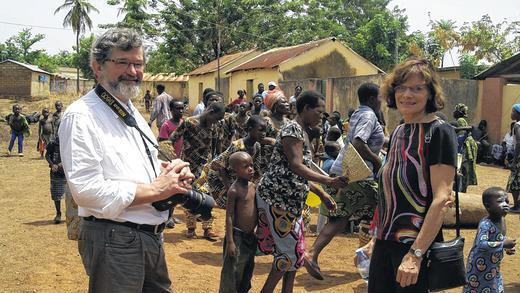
(354, 167)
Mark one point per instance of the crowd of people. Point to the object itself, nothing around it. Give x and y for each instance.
(259, 159)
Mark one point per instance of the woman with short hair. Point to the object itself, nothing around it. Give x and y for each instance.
(415, 182)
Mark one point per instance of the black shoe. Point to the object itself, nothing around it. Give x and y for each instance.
(57, 219)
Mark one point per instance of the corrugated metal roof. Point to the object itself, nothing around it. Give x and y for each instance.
(276, 56)
(224, 60)
(28, 66)
(165, 77)
(510, 65)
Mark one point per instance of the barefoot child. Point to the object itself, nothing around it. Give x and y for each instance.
(240, 240)
(483, 268)
(58, 181)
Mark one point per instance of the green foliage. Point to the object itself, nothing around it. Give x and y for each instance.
(136, 16)
(46, 62)
(77, 16)
(490, 41)
(380, 40)
(190, 28)
(82, 58)
(469, 66)
(19, 47)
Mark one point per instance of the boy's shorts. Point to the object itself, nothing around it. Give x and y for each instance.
(237, 271)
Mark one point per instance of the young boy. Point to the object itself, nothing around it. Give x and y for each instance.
(45, 131)
(58, 181)
(483, 268)
(241, 219)
(169, 126)
(19, 129)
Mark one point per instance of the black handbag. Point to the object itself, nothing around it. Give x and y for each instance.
(445, 260)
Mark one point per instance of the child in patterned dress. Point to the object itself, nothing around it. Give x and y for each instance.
(483, 267)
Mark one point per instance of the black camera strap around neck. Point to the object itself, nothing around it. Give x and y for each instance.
(128, 119)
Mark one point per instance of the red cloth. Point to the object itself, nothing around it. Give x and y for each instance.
(238, 101)
(166, 129)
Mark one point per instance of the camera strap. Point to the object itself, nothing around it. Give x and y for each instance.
(128, 119)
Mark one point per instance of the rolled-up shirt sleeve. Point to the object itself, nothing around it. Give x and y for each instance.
(82, 153)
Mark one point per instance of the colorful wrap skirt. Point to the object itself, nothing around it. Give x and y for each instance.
(281, 234)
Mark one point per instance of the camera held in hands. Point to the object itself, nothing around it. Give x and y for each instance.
(194, 201)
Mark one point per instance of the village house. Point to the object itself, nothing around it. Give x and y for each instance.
(23, 81)
(206, 76)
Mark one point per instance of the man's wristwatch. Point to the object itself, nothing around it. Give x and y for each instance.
(416, 252)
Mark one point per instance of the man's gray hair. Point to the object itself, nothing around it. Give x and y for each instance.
(122, 38)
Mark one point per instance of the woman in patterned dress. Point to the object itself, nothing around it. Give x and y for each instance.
(282, 191)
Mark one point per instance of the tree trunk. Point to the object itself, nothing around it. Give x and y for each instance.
(77, 65)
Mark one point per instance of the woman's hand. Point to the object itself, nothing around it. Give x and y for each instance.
(338, 182)
(329, 202)
(367, 250)
(408, 270)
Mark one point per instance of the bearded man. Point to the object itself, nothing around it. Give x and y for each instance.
(113, 174)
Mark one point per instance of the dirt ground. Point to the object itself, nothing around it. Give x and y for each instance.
(37, 256)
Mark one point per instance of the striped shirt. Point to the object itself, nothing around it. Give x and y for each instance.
(405, 190)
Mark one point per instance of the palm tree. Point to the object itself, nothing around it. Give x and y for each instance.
(444, 31)
(77, 18)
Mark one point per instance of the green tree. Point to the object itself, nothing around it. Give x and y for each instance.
(46, 62)
(65, 58)
(136, 16)
(383, 40)
(19, 47)
(78, 18)
(82, 58)
(3, 52)
(490, 41)
(469, 66)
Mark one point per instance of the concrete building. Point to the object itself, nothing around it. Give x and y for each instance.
(23, 81)
(500, 90)
(63, 81)
(176, 86)
(206, 76)
(313, 65)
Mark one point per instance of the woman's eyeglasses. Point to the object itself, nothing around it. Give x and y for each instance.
(414, 89)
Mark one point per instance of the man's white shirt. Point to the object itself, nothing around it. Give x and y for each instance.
(104, 160)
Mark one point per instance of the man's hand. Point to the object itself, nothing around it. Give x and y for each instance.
(408, 271)
(54, 168)
(176, 178)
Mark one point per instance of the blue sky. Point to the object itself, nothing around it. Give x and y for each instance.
(41, 13)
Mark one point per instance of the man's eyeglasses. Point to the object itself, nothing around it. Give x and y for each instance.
(414, 89)
(121, 63)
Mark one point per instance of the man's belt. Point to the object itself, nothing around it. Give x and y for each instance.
(155, 229)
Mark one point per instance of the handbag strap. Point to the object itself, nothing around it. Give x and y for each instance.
(457, 213)
(427, 139)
